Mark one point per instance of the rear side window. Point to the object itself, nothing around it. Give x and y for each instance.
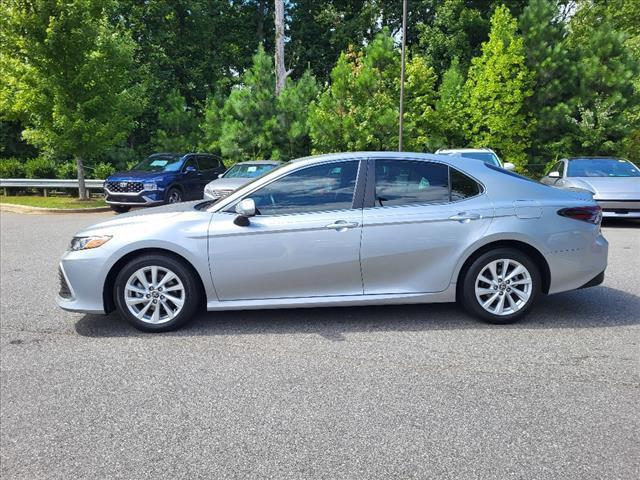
(462, 186)
(406, 182)
(208, 163)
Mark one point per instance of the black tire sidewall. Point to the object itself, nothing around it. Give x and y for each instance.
(468, 296)
(120, 208)
(192, 291)
(172, 190)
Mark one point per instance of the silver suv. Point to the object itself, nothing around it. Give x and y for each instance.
(483, 154)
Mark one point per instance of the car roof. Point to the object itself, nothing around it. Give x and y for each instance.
(461, 150)
(597, 157)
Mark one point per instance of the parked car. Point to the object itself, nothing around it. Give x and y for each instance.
(162, 178)
(365, 228)
(613, 182)
(483, 154)
(237, 176)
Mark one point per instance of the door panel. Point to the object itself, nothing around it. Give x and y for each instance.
(286, 256)
(425, 216)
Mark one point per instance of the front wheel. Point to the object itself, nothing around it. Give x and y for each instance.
(120, 208)
(174, 195)
(156, 293)
(501, 286)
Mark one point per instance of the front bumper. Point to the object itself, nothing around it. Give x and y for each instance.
(82, 275)
(144, 198)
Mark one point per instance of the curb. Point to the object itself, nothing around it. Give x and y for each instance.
(10, 207)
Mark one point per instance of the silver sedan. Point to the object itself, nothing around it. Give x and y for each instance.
(364, 228)
(613, 182)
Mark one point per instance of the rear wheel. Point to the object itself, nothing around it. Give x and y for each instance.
(156, 293)
(120, 208)
(501, 286)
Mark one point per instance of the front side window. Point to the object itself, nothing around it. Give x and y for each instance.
(402, 182)
(191, 162)
(325, 187)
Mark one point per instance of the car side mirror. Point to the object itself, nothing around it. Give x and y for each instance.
(509, 166)
(554, 175)
(190, 169)
(219, 175)
(245, 208)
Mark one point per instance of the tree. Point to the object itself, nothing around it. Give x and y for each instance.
(256, 124)
(449, 122)
(281, 71)
(497, 86)
(178, 125)
(66, 74)
(359, 110)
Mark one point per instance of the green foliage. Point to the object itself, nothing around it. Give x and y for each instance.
(40, 167)
(498, 84)
(178, 126)
(254, 123)
(11, 168)
(67, 75)
(449, 122)
(102, 170)
(67, 170)
(359, 111)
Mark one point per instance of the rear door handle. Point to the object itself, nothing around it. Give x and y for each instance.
(342, 225)
(465, 217)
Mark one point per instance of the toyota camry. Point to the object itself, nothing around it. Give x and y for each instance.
(367, 228)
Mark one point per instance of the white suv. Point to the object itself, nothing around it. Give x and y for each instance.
(483, 154)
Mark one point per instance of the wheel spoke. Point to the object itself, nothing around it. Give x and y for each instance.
(490, 301)
(485, 291)
(175, 300)
(141, 313)
(500, 307)
(154, 275)
(511, 303)
(167, 309)
(155, 317)
(137, 300)
(142, 278)
(133, 288)
(516, 271)
(492, 269)
(520, 294)
(485, 279)
(167, 278)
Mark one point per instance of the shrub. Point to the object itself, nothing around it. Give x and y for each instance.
(11, 168)
(102, 170)
(40, 167)
(67, 170)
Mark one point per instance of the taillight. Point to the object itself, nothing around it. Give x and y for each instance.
(588, 213)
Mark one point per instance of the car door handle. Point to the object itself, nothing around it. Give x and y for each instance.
(342, 225)
(465, 217)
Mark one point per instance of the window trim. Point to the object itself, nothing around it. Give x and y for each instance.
(356, 199)
(370, 202)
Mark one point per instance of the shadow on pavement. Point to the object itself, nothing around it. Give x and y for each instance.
(590, 308)
(620, 223)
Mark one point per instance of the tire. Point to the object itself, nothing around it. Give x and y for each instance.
(522, 287)
(174, 195)
(120, 208)
(173, 309)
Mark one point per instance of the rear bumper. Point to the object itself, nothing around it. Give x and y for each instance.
(595, 281)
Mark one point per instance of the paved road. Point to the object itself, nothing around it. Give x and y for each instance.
(404, 392)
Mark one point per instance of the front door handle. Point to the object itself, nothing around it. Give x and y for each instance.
(342, 225)
(465, 217)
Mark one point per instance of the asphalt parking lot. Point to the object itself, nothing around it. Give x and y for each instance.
(375, 392)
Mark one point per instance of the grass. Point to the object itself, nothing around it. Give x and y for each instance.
(52, 202)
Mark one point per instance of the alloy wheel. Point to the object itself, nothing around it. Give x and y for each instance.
(154, 294)
(503, 286)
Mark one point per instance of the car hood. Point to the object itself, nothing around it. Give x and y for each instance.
(138, 218)
(610, 188)
(134, 176)
(228, 183)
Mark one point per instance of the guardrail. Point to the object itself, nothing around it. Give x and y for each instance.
(48, 183)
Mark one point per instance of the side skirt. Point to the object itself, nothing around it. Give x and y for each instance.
(448, 295)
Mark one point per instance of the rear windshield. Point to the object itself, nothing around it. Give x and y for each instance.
(602, 167)
(159, 163)
(248, 170)
(511, 174)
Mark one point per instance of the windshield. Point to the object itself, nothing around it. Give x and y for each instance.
(486, 157)
(602, 167)
(159, 163)
(248, 170)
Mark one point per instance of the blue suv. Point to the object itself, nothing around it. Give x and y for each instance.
(162, 178)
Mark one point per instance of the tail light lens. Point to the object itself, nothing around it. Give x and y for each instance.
(588, 213)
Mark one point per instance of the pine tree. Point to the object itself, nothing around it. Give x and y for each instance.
(177, 124)
(496, 89)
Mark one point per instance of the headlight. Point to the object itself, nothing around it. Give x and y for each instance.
(150, 186)
(85, 243)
